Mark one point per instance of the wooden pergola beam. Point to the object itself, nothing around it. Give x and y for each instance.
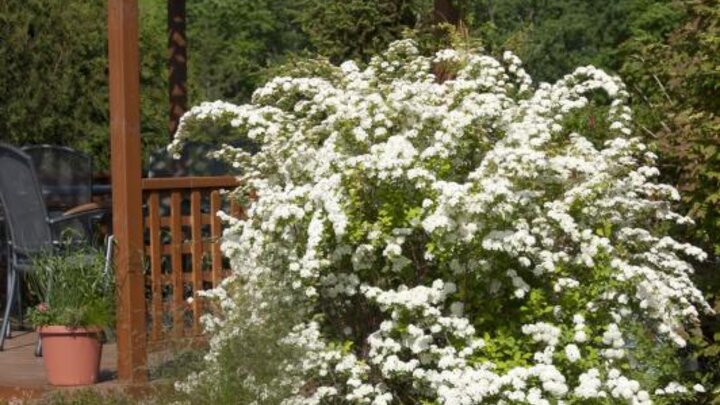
(125, 146)
(177, 63)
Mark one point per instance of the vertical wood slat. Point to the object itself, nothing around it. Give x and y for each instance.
(155, 265)
(197, 253)
(178, 310)
(215, 234)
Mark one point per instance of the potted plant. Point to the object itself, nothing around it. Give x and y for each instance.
(76, 296)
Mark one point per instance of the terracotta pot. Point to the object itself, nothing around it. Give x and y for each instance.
(71, 355)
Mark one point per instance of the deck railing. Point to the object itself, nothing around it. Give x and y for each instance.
(182, 250)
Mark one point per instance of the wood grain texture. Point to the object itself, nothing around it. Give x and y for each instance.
(174, 183)
(176, 236)
(177, 63)
(197, 254)
(125, 163)
(215, 234)
(155, 253)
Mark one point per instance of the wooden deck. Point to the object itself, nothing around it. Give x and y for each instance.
(22, 375)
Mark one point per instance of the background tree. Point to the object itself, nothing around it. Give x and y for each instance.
(358, 29)
(553, 36)
(53, 76)
(230, 43)
(53, 81)
(677, 83)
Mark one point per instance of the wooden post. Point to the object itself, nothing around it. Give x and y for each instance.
(177, 62)
(124, 64)
(445, 11)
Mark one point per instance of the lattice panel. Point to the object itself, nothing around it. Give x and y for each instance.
(182, 250)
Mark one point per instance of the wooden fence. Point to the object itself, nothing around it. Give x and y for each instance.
(181, 241)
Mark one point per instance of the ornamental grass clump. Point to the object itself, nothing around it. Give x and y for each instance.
(73, 288)
(447, 232)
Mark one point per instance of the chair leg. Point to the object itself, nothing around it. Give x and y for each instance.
(38, 347)
(109, 254)
(8, 307)
(7, 331)
(8, 285)
(13, 281)
(18, 301)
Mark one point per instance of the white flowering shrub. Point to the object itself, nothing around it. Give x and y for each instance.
(454, 242)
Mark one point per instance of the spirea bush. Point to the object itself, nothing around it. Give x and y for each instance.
(451, 241)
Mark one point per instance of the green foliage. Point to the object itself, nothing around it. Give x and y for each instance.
(153, 76)
(54, 69)
(53, 76)
(358, 29)
(677, 82)
(552, 37)
(88, 397)
(72, 288)
(53, 58)
(230, 43)
(678, 85)
(52, 72)
(248, 364)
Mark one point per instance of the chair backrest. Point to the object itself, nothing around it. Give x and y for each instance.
(194, 161)
(22, 201)
(65, 175)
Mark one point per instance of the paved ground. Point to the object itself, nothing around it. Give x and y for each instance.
(22, 375)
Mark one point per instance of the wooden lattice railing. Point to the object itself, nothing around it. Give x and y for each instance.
(182, 250)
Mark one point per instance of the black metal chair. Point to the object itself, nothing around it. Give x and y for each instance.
(3, 236)
(31, 230)
(65, 176)
(66, 180)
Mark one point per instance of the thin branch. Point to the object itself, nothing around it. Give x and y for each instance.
(667, 96)
(649, 132)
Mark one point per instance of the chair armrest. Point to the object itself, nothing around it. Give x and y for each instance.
(90, 213)
(83, 208)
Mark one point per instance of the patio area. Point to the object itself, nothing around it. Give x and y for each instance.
(181, 248)
(22, 375)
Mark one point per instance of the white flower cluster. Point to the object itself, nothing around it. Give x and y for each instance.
(454, 240)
